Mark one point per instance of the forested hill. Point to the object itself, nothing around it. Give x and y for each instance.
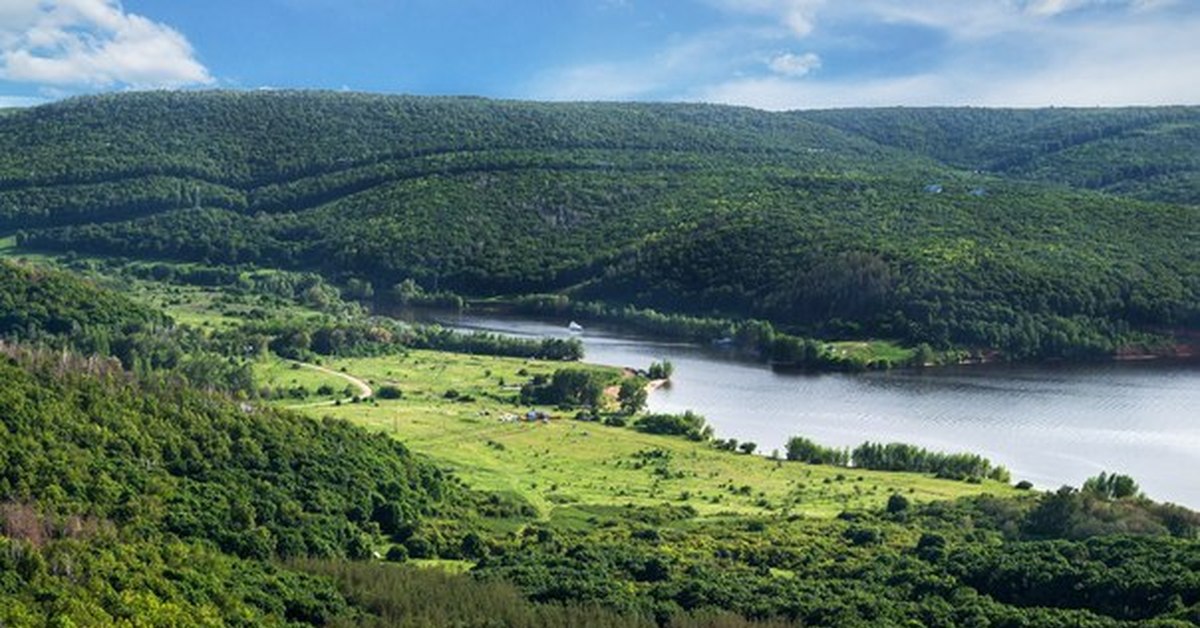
(688, 208)
(1149, 153)
(245, 141)
(40, 304)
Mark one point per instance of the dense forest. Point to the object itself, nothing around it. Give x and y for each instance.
(127, 494)
(123, 499)
(145, 481)
(827, 224)
(127, 500)
(1147, 153)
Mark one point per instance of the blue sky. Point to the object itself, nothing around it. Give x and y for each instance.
(772, 54)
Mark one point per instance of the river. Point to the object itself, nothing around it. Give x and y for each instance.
(1051, 425)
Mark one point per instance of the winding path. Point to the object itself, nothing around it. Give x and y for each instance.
(364, 389)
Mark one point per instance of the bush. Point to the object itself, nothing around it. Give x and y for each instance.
(689, 424)
(804, 450)
(419, 547)
(661, 370)
(1110, 487)
(566, 388)
(390, 392)
(897, 503)
(862, 536)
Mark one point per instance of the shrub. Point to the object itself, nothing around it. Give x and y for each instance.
(419, 547)
(390, 392)
(689, 424)
(897, 503)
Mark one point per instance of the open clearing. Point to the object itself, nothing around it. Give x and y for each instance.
(577, 472)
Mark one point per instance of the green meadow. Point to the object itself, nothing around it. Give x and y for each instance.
(462, 411)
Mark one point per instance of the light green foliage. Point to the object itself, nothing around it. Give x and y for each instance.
(632, 395)
(574, 471)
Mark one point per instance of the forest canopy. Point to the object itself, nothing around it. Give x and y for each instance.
(826, 224)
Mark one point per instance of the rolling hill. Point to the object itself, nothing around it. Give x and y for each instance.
(1147, 153)
(855, 223)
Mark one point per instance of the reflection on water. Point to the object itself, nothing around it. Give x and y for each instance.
(1051, 425)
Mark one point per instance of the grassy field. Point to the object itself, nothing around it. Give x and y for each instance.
(577, 473)
(461, 411)
(874, 350)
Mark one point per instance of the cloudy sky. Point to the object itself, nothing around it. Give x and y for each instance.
(772, 54)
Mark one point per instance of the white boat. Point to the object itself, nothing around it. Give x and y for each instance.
(575, 327)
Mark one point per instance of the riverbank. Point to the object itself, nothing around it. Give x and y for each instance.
(1052, 424)
(571, 470)
(759, 340)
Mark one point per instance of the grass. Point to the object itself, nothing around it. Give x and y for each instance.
(198, 306)
(579, 473)
(576, 474)
(279, 373)
(875, 350)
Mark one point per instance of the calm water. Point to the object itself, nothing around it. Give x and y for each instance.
(1050, 425)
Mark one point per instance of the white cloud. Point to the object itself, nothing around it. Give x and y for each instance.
(797, 15)
(794, 65)
(1108, 64)
(1056, 7)
(92, 43)
(985, 52)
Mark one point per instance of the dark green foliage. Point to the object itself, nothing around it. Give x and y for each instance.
(1073, 514)
(301, 338)
(84, 438)
(904, 457)
(660, 370)
(943, 564)
(708, 211)
(898, 457)
(1125, 578)
(102, 582)
(723, 444)
(689, 425)
(897, 503)
(125, 496)
(1143, 152)
(40, 304)
(632, 395)
(54, 308)
(566, 387)
(858, 535)
(389, 392)
(1114, 486)
(804, 450)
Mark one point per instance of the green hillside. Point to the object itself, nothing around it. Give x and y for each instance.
(704, 210)
(38, 303)
(128, 496)
(1147, 153)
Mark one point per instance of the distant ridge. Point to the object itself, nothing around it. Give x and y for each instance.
(1027, 231)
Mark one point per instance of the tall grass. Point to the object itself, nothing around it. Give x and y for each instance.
(411, 597)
